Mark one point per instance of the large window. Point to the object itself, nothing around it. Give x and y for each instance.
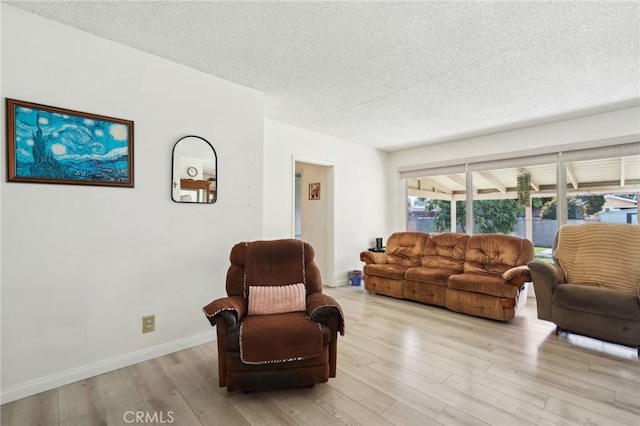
(599, 184)
(429, 206)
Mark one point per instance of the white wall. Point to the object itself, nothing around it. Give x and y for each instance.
(359, 190)
(81, 265)
(596, 127)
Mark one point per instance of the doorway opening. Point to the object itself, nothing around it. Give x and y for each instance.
(313, 216)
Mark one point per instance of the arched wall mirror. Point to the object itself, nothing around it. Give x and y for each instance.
(195, 171)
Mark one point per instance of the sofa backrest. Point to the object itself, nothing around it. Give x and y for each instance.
(272, 263)
(495, 253)
(602, 254)
(445, 251)
(406, 248)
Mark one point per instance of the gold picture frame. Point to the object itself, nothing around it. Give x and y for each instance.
(314, 191)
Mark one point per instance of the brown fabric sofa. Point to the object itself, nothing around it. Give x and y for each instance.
(287, 349)
(481, 275)
(593, 285)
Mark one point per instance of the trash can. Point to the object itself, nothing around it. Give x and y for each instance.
(355, 277)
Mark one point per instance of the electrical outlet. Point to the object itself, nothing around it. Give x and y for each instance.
(148, 323)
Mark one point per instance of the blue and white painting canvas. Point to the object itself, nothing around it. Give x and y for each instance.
(55, 145)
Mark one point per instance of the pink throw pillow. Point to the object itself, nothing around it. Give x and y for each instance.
(265, 300)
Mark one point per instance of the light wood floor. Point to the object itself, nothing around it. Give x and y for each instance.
(400, 363)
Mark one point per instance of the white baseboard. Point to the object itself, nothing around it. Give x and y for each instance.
(337, 283)
(53, 381)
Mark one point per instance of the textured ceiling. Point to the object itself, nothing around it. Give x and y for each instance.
(392, 75)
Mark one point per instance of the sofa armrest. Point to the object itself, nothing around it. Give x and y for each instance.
(325, 310)
(547, 271)
(232, 309)
(546, 276)
(517, 275)
(370, 257)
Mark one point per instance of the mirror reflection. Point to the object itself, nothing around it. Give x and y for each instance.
(195, 171)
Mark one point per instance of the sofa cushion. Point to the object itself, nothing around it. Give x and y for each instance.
(482, 283)
(496, 253)
(446, 251)
(406, 248)
(438, 276)
(279, 338)
(386, 270)
(597, 300)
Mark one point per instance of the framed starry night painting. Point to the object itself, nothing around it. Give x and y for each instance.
(47, 144)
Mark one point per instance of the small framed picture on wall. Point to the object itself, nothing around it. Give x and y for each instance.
(314, 191)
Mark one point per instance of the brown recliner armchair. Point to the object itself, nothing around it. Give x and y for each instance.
(593, 285)
(276, 328)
